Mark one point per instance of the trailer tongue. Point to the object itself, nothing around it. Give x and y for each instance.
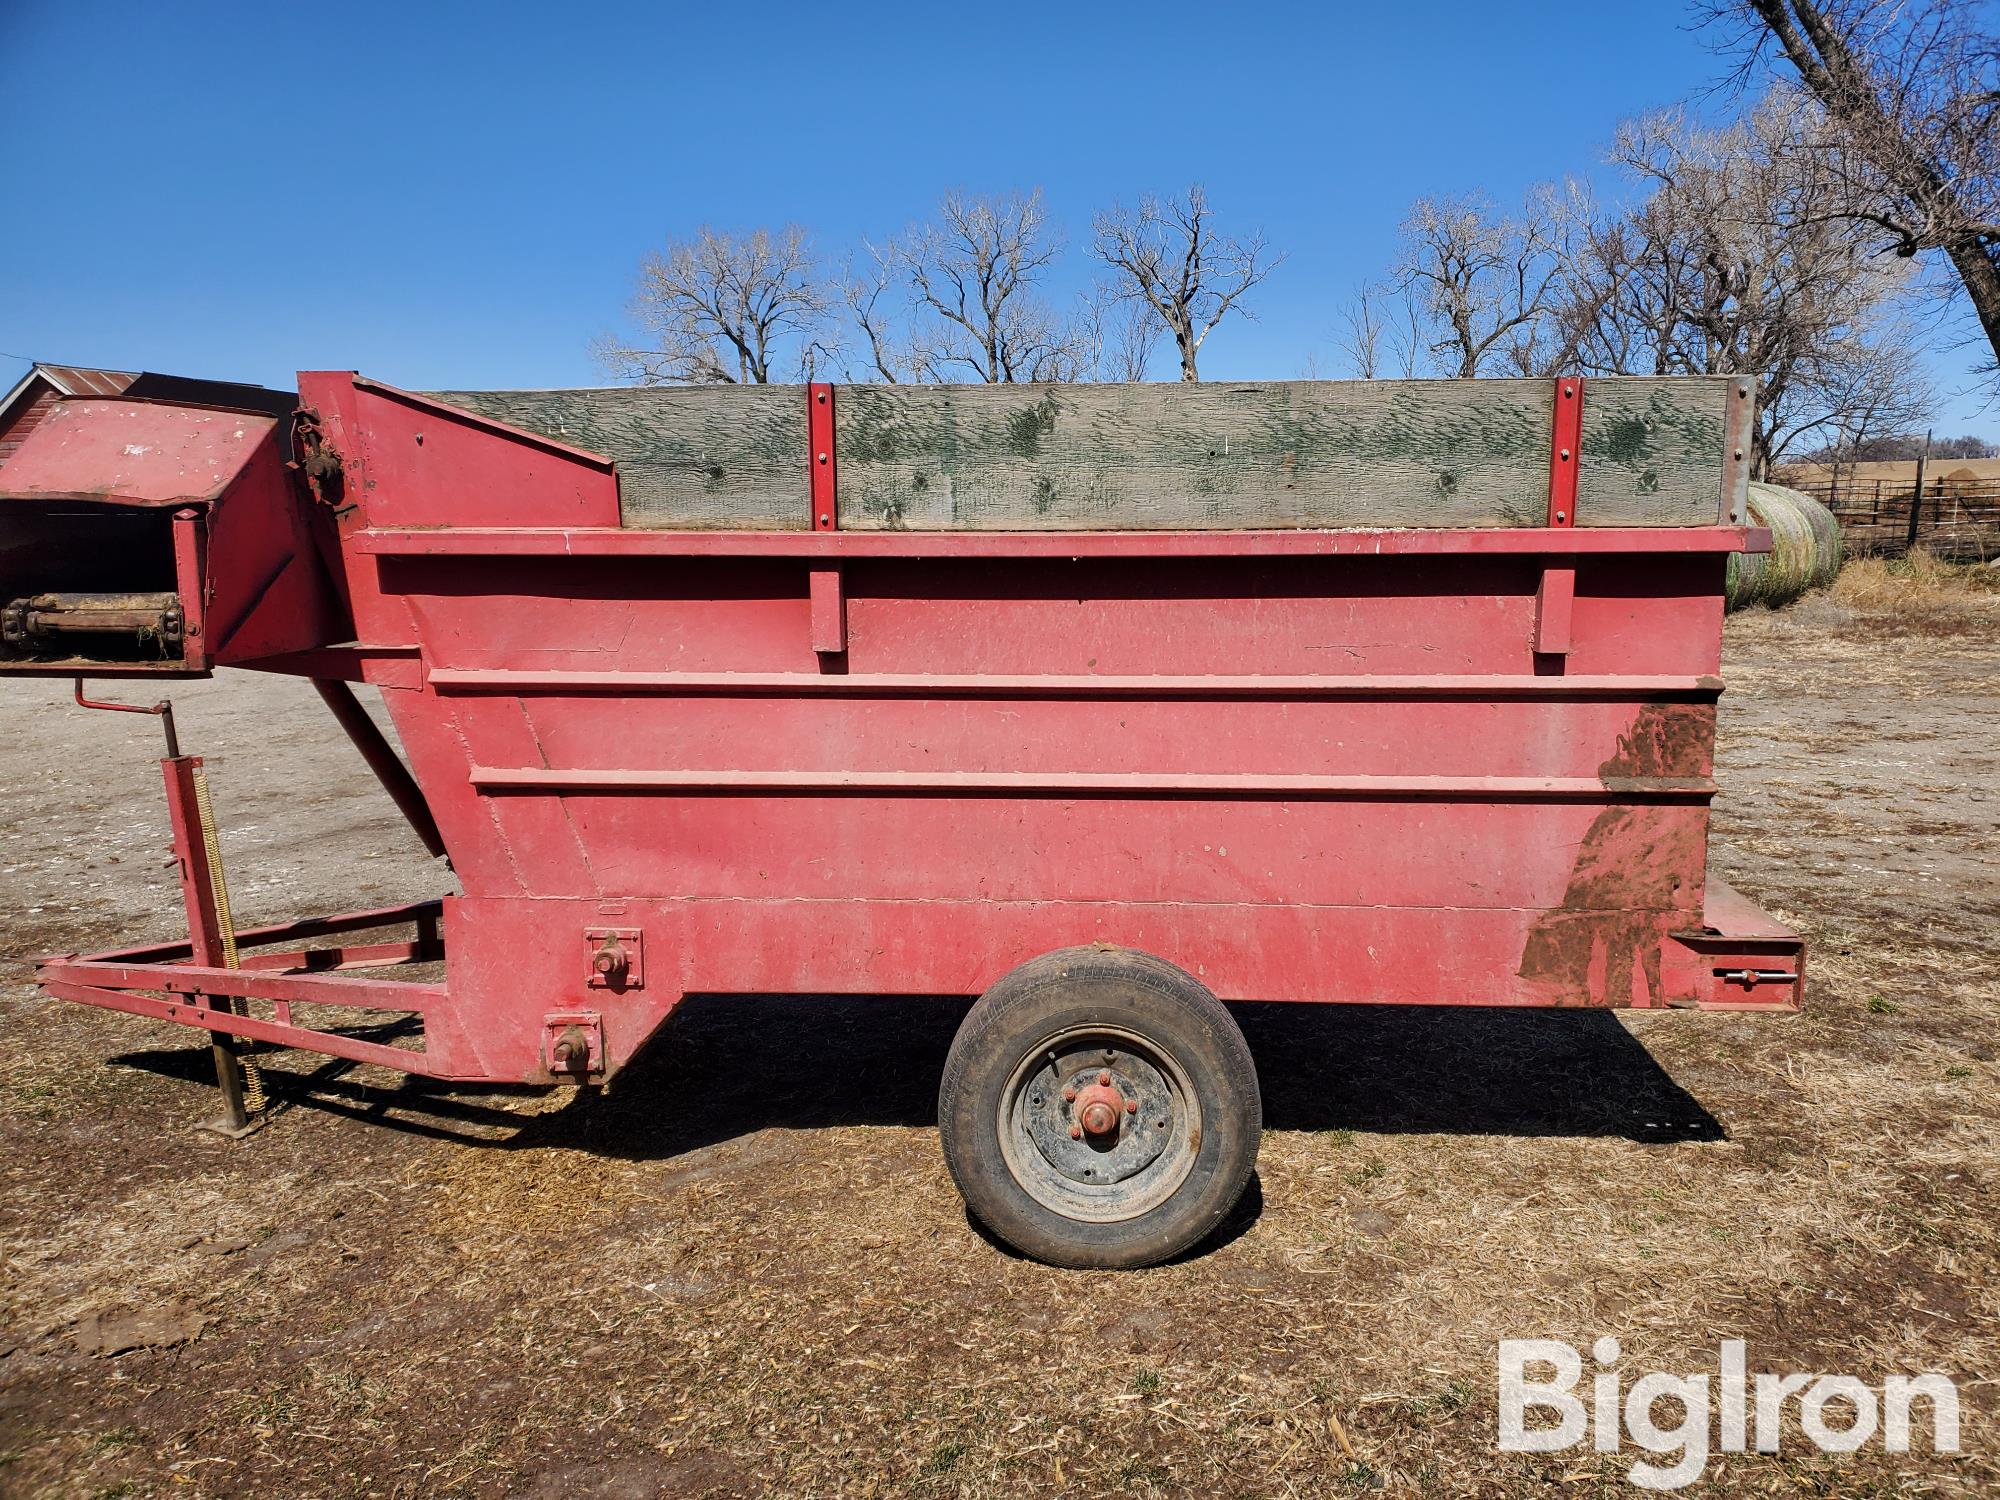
(1097, 702)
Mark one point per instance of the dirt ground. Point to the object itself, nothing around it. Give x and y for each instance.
(744, 1271)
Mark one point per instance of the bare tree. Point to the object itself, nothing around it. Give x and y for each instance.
(1731, 265)
(1481, 283)
(973, 278)
(1381, 335)
(869, 286)
(1119, 334)
(722, 308)
(1913, 91)
(1168, 255)
(1361, 333)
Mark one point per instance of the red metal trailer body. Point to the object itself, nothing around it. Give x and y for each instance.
(1398, 766)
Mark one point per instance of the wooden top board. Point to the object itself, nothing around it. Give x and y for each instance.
(1213, 456)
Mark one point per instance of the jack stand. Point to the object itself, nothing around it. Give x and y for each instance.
(235, 1122)
(211, 928)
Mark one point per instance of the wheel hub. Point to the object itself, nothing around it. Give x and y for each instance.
(1100, 1108)
(1099, 1124)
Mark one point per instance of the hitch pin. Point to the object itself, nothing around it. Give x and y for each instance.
(164, 709)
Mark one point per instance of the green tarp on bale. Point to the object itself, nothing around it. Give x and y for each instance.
(1805, 549)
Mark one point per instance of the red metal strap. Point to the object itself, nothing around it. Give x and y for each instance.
(1564, 452)
(819, 427)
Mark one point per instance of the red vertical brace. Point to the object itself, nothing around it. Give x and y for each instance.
(191, 854)
(191, 583)
(1558, 590)
(827, 599)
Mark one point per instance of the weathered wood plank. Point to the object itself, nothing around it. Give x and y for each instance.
(1653, 451)
(689, 457)
(1144, 457)
(1214, 456)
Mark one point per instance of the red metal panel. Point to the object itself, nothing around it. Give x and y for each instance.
(1394, 850)
(1303, 765)
(133, 452)
(1455, 741)
(487, 540)
(1282, 616)
(427, 464)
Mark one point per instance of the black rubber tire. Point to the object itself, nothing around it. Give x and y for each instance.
(1175, 1014)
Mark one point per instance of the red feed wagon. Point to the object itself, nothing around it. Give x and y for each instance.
(1096, 702)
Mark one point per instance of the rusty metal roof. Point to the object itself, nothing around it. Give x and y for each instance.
(79, 380)
(86, 381)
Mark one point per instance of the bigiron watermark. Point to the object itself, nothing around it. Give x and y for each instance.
(1734, 1411)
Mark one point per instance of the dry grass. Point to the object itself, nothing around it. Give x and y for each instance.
(744, 1272)
(1920, 592)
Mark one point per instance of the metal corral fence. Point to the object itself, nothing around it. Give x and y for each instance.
(1959, 522)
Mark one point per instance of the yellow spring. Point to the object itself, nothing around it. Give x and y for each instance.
(253, 1076)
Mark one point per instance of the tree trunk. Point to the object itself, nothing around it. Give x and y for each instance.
(1980, 274)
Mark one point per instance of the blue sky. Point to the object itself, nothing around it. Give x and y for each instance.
(458, 195)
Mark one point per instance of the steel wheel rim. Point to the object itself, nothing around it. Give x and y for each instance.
(1099, 1176)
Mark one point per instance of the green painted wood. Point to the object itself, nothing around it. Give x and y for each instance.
(1214, 456)
(1653, 451)
(699, 457)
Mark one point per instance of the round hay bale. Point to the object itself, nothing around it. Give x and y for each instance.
(1805, 549)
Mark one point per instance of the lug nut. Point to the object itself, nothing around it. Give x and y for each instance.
(1069, 1095)
(1131, 1106)
(1076, 1132)
(1104, 1078)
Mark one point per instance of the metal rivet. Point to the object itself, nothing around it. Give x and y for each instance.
(821, 398)
(824, 518)
(1569, 390)
(822, 458)
(1562, 515)
(1739, 452)
(1565, 453)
